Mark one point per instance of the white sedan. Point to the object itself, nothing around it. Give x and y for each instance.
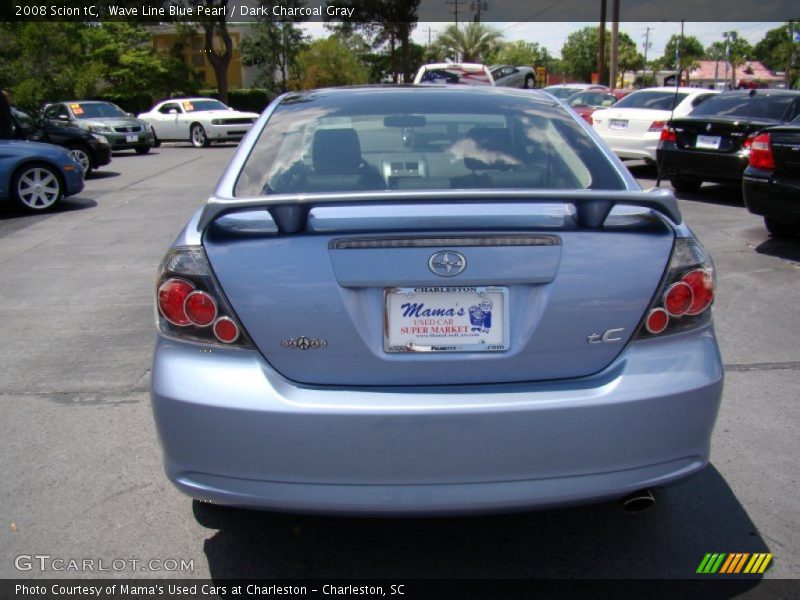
(198, 120)
(632, 127)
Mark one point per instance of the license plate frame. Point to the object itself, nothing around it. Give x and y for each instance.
(708, 142)
(424, 338)
(618, 124)
(131, 139)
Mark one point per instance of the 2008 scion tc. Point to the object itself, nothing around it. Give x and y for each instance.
(432, 300)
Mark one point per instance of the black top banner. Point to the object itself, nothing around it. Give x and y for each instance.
(244, 11)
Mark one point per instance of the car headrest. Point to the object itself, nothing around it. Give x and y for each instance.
(494, 149)
(336, 152)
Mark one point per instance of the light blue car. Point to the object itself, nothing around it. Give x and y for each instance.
(431, 300)
(37, 176)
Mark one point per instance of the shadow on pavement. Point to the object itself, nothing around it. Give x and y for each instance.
(721, 194)
(102, 175)
(597, 541)
(9, 210)
(788, 248)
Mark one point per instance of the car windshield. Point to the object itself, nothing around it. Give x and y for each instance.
(663, 100)
(595, 99)
(25, 120)
(421, 139)
(95, 110)
(757, 106)
(561, 93)
(201, 105)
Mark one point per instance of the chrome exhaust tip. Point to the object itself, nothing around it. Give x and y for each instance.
(638, 501)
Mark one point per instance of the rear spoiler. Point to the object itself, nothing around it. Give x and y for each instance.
(289, 211)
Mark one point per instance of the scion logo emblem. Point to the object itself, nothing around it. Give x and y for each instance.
(447, 263)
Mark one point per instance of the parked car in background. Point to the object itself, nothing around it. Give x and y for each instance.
(771, 183)
(351, 326)
(563, 91)
(713, 142)
(37, 176)
(92, 150)
(516, 77)
(122, 130)
(198, 120)
(453, 74)
(585, 103)
(632, 127)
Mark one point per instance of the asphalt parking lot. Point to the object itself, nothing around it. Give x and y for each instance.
(81, 468)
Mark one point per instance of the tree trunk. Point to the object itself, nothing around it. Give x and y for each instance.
(219, 62)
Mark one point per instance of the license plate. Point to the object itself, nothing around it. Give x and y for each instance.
(131, 138)
(446, 319)
(619, 124)
(710, 142)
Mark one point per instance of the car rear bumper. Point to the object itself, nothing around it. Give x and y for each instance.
(234, 432)
(642, 147)
(707, 166)
(773, 196)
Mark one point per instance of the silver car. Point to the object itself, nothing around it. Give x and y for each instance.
(493, 318)
(511, 76)
(122, 130)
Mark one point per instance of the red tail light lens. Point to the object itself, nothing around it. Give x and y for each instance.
(702, 283)
(172, 296)
(657, 126)
(590, 120)
(201, 308)
(668, 134)
(761, 156)
(685, 294)
(657, 320)
(678, 299)
(191, 304)
(226, 330)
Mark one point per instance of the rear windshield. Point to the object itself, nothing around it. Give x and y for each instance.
(98, 110)
(652, 100)
(455, 76)
(422, 139)
(561, 93)
(758, 106)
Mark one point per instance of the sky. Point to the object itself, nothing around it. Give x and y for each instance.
(553, 35)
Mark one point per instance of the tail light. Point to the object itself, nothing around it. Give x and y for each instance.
(685, 296)
(668, 134)
(761, 156)
(589, 119)
(657, 126)
(190, 304)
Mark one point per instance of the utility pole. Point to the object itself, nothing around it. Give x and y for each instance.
(476, 6)
(455, 4)
(601, 44)
(614, 43)
(730, 36)
(647, 45)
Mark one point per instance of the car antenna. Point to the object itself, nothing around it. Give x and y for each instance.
(674, 99)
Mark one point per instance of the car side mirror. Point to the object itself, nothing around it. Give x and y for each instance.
(130, 114)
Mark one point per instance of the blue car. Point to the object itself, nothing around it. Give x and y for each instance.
(37, 176)
(427, 300)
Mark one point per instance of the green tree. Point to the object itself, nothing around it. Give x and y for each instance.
(521, 53)
(736, 52)
(329, 62)
(775, 51)
(629, 60)
(468, 43)
(691, 51)
(274, 48)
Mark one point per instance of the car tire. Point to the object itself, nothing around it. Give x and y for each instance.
(778, 228)
(83, 155)
(686, 184)
(37, 187)
(142, 149)
(199, 137)
(530, 82)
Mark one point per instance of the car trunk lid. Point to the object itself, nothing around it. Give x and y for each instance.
(325, 305)
(717, 135)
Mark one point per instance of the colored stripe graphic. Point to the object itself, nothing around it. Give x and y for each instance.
(729, 564)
